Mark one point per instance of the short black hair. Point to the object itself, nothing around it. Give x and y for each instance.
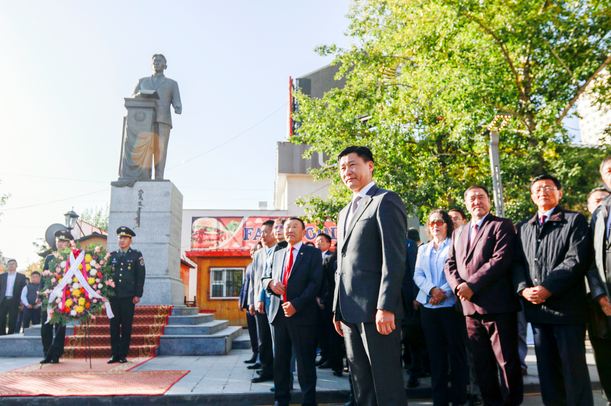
(268, 223)
(363, 152)
(35, 273)
(11, 260)
(477, 187)
(280, 220)
(546, 177)
(299, 220)
(413, 234)
(458, 210)
(326, 237)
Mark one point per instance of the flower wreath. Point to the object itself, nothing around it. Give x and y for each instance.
(85, 294)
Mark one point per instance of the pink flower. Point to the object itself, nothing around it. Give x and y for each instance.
(99, 292)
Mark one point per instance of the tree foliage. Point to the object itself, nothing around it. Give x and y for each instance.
(97, 217)
(425, 78)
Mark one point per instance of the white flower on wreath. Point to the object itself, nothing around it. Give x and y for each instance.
(62, 264)
(100, 286)
(93, 263)
(58, 300)
(76, 285)
(72, 312)
(93, 272)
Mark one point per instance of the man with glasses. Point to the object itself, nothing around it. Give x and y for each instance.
(553, 252)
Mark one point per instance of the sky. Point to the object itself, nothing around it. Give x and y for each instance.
(67, 65)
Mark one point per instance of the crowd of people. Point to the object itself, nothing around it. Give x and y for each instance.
(455, 308)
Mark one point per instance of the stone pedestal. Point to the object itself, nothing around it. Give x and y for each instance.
(153, 209)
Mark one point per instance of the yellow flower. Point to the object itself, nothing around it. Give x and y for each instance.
(80, 267)
(88, 267)
(68, 302)
(76, 292)
(81, 301)
(74, 279)
(79, 309)
(91, 281)
(88, 258)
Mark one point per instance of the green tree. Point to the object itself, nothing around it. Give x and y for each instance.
(97, 217)
(425, 78)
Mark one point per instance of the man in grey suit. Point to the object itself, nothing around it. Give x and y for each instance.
(599, 281)
(367, 302)
(167, 91)
(11, 285)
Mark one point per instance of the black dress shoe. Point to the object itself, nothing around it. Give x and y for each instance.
(112, 360)
(54, 361)
(338, 373)
(123, 360)
(47, 360)
(320, 362)
(254, 366)
(262, 378)
(324, 365)
(252, 359)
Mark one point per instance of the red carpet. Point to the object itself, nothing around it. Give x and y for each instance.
(149, 322)
(84, 383)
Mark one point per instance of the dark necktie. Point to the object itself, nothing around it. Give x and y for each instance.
(542, 219)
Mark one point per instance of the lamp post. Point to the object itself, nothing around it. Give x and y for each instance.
(494, 128)
(70, 219)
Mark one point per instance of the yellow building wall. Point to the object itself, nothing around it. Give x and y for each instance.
(224, 309)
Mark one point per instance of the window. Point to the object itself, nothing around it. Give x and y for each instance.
(225, 283)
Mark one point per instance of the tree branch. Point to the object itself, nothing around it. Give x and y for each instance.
(582, 89)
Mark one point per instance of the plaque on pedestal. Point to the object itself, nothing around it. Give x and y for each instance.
(153, 209)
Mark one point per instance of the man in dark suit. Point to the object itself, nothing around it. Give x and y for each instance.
(243, 305)
(599, 281)
(128, 274)
(553, 255)
(294, 281)
(11, 285)
(370, 269)
(479, 269)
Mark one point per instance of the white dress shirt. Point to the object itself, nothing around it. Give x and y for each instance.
(10, 284)
(360, 194)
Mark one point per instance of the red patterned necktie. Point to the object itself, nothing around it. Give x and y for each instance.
(543, 218)
(287, 272)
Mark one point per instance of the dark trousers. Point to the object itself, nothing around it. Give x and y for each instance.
(31, 316)
(444, 330)
(53, 337)
(561, 363)
(121, 325)
(251, 322)
(602, 355)
(415, 358)
(291, 338)
(494, 342)
(333, 342)
(8, 309)
(375, 365)
(266, 355)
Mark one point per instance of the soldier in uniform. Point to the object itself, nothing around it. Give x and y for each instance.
(128, 274)
(53, 336)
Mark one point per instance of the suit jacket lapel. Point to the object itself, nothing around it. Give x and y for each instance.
(365, 201)
(478, 237)
(599, 238)
(296, 261)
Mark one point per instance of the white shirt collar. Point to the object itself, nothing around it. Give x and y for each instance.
(363, 191)
(296, 246)
(547, 214)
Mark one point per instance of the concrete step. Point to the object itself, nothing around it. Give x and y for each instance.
(34, 331)
(242, 342)
(19, 345)
(210, 327)
(190, 319)
(219, 343)
(184, 310)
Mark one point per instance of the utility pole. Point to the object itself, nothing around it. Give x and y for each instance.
(494, 128)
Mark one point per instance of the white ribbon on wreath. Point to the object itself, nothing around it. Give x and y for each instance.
(67, 279)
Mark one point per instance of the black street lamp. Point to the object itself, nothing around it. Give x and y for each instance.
(70, 219)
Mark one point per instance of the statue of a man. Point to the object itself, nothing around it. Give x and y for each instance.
(167, 91)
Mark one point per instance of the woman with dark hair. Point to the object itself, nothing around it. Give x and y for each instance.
(443, 326)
